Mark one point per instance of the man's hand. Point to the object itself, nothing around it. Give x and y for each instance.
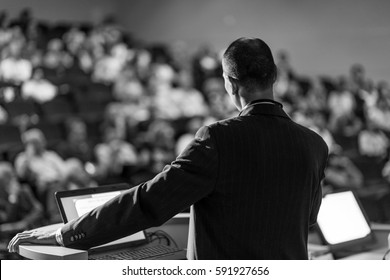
(32, 237)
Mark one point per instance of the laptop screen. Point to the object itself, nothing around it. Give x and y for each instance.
(341, 220)
(75, 203)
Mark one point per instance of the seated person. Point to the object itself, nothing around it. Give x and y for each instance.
(127, 88)
(77, 144)
(219, 101)
(38, 88)
(187, 98)
(341, 102)
(191, 128)
(14, 68)
(342, 173)
(19, 209)
(44, 169)
(56, 56)
(109, 67)
(113, 155)
(160, 137)
(77, 175)
(318, 123)
(378, 107)
(373, 142)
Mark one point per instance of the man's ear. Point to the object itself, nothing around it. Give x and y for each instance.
(234, 84)
(275, 73)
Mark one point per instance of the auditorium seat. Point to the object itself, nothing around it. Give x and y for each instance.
(52, 75)
(100, 93)
(90, 111)
(54, 133)
(10, 141)
(93, 92)
(94, 131)
(20, 108)
(56, 110)
(75, 77)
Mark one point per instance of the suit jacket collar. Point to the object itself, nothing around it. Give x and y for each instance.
(264, 107)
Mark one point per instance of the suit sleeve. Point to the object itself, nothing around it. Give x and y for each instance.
(186, 180)
(317, 198)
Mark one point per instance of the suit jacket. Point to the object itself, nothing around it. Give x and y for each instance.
(253, 181)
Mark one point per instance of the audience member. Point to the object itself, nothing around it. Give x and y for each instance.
(341, 104)
(78, 176)
(316, 98)
(38, 88)
(191, 128)
(108, 68)
(127, 88)
(378, 107)
(285, 75)
(77, 144)
(372, 142)
(113, 155)
(188, 99)
(218, 100)
(160, 137)
(341, 173)
(318, 123)
(19, 209)
(205, 66)
(14, 68)
(357, 78)
(44, 169)
(56, 58)
(36, 164)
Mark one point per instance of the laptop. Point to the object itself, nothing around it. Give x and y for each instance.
(74, 203)
(343, 224)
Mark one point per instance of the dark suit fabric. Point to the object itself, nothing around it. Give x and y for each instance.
(253, 181)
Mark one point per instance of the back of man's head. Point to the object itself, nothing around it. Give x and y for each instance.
(250, 62)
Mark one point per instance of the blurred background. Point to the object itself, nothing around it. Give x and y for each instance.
(100, 92)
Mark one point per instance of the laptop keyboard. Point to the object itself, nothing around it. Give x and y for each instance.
(139, 254)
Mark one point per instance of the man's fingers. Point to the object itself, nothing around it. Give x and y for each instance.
(23, 237)
(13, 244)
(13, 240)
(32, 236)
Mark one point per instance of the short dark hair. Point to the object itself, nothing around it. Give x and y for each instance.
(250, 62)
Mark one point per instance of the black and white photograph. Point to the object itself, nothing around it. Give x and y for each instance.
(186, 130)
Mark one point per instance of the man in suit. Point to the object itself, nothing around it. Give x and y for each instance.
(253, 180)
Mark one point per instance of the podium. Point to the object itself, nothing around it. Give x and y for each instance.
(177, 228)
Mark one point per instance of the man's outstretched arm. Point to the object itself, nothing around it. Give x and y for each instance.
(188, 179)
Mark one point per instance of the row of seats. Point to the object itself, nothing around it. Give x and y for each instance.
(54, 110)
(11, 142)
(88, 104)
(86, 101)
